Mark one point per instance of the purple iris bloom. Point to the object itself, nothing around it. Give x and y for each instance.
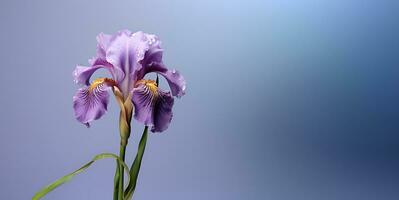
(128, 57)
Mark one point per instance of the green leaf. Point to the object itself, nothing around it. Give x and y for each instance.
(135, 169)
(68, 177)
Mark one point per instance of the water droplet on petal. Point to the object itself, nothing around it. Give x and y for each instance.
(152, 40)
(140, 54)
(184, 88)
(173, 71)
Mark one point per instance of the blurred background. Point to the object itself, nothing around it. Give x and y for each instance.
(285, 99)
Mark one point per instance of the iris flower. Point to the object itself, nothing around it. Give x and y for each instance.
(128, 57)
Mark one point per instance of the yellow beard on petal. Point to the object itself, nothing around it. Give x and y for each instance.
(100, 81)
(150, 84)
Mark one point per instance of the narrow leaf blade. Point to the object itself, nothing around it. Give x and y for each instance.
(135, 169)
(68, 177)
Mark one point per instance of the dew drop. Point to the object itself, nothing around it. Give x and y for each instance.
(140, 54)
(184, 88)
(152, 40)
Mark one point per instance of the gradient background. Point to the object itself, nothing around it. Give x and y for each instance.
(286, 100)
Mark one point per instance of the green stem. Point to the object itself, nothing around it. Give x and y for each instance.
(124, 129)
(116, 182)
(121, 176)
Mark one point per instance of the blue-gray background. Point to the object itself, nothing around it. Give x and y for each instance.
(285, 99)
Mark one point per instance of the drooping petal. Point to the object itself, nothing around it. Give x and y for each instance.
(125, 52)
(152, 106)
(152, 62)
(82, 74)
(143, 101)
(175, 80)
(90, 102)
(162, 111)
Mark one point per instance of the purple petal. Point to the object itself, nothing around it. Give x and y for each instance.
(90, 104)
(152, 62)
(152, 109)
(125, 52)
(143, 101)
(103, 41)
(154, 53)
(82, 74)
(175, 80)
(163, 111)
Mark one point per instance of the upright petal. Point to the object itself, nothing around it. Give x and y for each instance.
(152, 106)
(103, 41)
(153, 55)
(155, 52)
(90, 102)
(125, 52)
